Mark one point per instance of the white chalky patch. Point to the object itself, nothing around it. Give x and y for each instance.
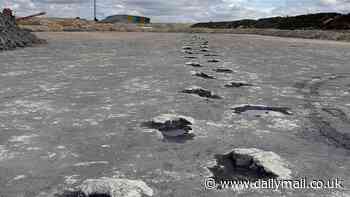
(23, 139)
(19, 177)
(116, 187)
(84, 164)
(13, 73)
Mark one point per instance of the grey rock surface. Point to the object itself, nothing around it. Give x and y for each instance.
(71, 110)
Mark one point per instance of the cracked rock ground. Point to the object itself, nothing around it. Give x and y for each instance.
(71, 111)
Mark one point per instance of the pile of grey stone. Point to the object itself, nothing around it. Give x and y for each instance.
(11, 36)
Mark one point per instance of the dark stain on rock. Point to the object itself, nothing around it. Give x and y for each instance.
(193, 64)
(223, 70)
(237, 84)
(203, 75)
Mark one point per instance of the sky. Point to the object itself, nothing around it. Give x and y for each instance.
(177, 10)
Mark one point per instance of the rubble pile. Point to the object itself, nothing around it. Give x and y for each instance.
(11, 36)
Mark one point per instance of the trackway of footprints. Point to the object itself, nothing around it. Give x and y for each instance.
(239, 163)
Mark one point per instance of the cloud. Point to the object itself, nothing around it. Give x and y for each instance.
(61, 1)
(178, 10)
(328, 2)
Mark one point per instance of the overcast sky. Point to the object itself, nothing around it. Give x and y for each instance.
(178, 10)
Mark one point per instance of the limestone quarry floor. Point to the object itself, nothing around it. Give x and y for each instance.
(72, 110)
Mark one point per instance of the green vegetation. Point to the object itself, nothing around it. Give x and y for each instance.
(334, 21)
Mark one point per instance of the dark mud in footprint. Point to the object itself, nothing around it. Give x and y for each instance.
(174, 128)
(223, 70)
(249, 164)
(261, 108)
(202, 75)
(201, 92)
(193, 64)
(237, 84)
(187, 48)
(188, 52)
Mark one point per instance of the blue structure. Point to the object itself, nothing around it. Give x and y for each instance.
(127, 19)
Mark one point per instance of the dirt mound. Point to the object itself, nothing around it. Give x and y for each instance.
(42, 24)
(11, 36)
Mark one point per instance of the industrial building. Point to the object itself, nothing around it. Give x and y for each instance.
(127, 19)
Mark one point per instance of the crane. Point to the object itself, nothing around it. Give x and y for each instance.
(30, 16)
